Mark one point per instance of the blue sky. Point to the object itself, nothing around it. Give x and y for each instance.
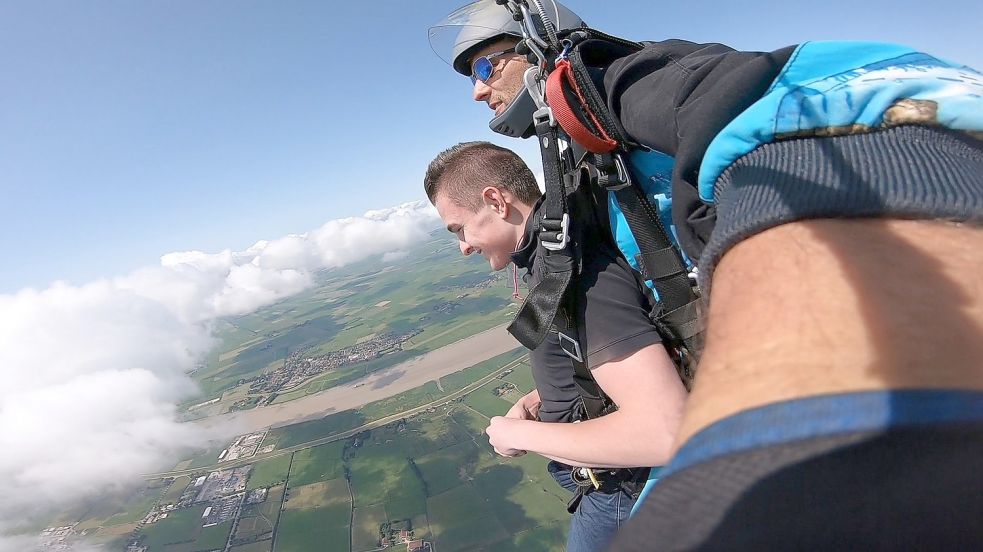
(129, 129)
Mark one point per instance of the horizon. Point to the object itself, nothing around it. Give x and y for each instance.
(168, 165)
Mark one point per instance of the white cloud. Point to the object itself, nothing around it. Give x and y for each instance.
(394, 256)
(92, 374)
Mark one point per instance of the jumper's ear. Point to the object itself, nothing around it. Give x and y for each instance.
(496, 199)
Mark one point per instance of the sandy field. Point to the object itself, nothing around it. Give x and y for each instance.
(378, 385)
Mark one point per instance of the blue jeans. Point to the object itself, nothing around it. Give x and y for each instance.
(598, 517)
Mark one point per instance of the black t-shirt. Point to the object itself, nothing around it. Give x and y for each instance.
(613, 318)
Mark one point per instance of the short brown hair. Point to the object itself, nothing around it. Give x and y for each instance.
(462, 171)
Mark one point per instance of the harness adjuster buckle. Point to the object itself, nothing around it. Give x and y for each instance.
(555, 234)
(570, 346)
(543, 115)
(620, 179)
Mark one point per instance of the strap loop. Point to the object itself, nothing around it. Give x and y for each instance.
(556, 98)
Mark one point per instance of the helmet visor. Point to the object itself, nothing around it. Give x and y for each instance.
(470, 25)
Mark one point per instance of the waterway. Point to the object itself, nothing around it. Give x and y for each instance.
(376, 386)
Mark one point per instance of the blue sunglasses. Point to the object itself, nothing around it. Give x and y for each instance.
(482, 68)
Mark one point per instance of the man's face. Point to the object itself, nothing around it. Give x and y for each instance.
(504, 85)
(484, 231)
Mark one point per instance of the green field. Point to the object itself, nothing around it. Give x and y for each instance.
(547, 538)
(269, 472)
(177, 487)
(323, 528)
(306, 432)
(262, 546)
(442, 470)
(214, 537)
(319, 463)
(365, 532)
(462, 520)
(207, 457)
(433, 473)
(180, 529)
(485, 402)
(521, 377)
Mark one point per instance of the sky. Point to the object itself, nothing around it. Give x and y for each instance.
(133, 129)
(163, 164)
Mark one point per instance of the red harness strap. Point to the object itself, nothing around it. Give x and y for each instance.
(563, 74)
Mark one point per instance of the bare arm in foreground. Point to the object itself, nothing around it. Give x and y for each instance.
(833, 306)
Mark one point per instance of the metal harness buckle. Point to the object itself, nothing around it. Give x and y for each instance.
(584, 477)
(550, 227)
(570, 346)
(542, 115)
(621, 179)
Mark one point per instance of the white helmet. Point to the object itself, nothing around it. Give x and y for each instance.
(471, 27)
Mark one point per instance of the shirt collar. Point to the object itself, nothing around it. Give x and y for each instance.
(523, 255)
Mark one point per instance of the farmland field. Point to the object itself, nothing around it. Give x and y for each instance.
(269, 472)
(420, 465)
(312, 529)
(365, 533)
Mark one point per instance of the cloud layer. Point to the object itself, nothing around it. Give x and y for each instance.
(92, 374)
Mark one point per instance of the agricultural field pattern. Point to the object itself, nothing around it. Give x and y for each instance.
(409, 471)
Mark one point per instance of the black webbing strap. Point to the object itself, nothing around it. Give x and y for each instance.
(659, 260)
(594, 401)
(558, 253)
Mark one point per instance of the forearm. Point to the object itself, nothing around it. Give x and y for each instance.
(619, 439)
(834, 306)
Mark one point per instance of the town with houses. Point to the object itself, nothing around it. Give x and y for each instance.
(300, 366)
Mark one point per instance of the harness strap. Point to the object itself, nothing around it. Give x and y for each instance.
(560, 258)
(663, 264)
(685, 320)
(660, 263)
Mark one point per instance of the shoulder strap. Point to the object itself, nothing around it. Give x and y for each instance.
(559, 249)
(583, 114)
(560, 256)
